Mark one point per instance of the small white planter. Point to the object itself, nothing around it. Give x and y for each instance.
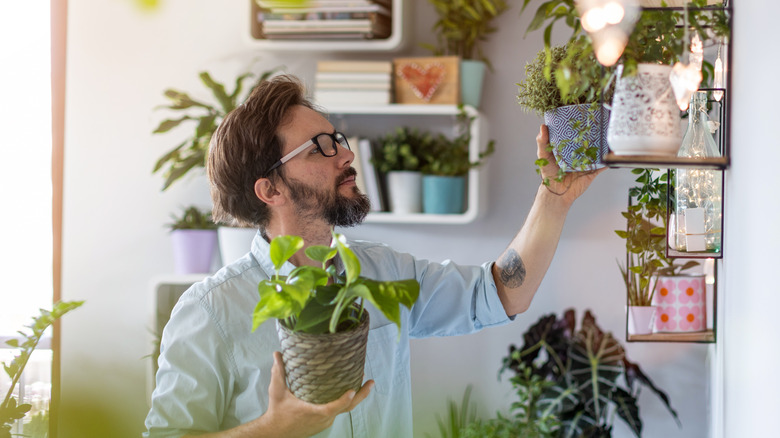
(234, 242)
(404, 188)
(640, 319)
(645, 118)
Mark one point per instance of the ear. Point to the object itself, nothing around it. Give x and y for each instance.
(267, 192)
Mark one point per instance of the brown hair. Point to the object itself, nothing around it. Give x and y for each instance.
(245, 145)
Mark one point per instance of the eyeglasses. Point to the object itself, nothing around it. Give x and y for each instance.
(326, 145)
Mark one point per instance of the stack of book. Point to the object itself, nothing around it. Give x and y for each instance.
(324, 19)
(339, 83)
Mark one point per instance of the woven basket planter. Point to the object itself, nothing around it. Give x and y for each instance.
(322, 367)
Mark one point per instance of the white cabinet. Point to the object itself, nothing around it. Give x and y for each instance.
(373, 121)
(394, 42)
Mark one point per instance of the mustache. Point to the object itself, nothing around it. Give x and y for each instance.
(347, 173)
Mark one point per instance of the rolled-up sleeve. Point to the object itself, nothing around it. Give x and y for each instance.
(454, 299)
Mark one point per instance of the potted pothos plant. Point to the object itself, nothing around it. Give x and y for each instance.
(194, 238)
(592, 381)
(461, 29)
(321, 313)
(646, 240)
(203, 118)
(11, 410)
(566, 86)
(399, 159)
(448, 162)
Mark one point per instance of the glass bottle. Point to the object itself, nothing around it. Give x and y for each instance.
(698, 192)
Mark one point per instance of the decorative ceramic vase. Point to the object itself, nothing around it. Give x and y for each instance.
(321, 367)
(566, 124)
(234, 242)
(645, 119)
(404, 188)
(472, 74)
(443, 194)
(640, 319)
(681, 302)
(193, 250)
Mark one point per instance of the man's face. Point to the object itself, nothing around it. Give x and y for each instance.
(321, 188)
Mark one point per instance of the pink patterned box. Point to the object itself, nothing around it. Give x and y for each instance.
(681, 302)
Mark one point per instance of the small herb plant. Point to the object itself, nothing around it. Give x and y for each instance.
(10, 409)
(645, 236)
(193, 218)
(561, 76)
(192, 152)
(317, 300)
(450, 157)
(401, 150)
(463, 26)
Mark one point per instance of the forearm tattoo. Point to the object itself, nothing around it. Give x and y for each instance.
(511, 269)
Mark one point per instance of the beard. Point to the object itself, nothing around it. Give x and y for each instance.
(333, 207)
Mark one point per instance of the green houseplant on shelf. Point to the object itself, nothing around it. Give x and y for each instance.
(11, 410)
(645, 236)
(591, 380)
(657, 56)
(399, 158)
(190, 155)
(322, 314)
(448, 162)
(463, 26)
(194, 238)
(566, 86)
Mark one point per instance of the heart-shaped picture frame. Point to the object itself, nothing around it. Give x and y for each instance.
(424, 80)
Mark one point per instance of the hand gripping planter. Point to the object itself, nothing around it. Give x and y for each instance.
(321, 367)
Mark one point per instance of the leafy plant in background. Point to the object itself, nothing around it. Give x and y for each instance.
(10, 409)
(450, 157)
(592, 379)
(645, 236)
(463, 26)
(203, 118)
(402, 150)
(193, 218)
(658, 37)
(315, 299)
(530, 418)
(458, 417)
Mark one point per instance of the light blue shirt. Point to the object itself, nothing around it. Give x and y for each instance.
(214, 371)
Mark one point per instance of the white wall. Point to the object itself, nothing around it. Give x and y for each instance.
(119, 62)
(749, 344)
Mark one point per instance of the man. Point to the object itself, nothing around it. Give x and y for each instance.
(277, 164)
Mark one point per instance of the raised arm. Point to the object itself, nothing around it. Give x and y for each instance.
(519, 270)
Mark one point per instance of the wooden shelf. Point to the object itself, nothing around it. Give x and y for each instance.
(664, 162)
(404, 111)
(707, 336)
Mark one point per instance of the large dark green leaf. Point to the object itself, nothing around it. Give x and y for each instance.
(596, 364)
(314, 317)
(634, 376)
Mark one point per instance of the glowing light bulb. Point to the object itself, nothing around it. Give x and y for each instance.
(593, 20)
(613, 12)
(717, 94)
(697, 52)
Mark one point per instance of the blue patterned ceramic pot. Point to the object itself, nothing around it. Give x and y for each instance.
(573, 130)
